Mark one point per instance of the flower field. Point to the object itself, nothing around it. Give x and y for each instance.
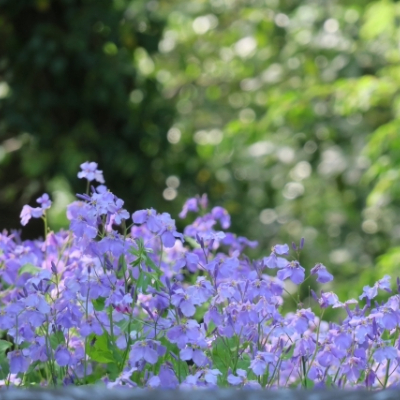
(125, 300)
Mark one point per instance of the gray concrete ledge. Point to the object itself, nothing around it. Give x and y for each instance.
(100, 393)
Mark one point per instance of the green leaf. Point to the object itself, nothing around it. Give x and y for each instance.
(30, 269)
(99, 303)
(288, 355)
(100, 350)
(310, 383)
(4, 345)
(57, 339)
(192, 242)
(380, 18)
(244, 362)
(121, 271)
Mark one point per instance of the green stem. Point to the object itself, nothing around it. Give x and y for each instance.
(316, 344)
(86, 338)
(303, 362)
(45, 225)
(386, 374)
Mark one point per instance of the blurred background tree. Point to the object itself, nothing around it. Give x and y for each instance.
(75, 87)
(284, 112)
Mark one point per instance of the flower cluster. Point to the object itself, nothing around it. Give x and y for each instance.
(127, 300)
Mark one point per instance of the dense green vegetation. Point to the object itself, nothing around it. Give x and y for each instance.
(284, 112)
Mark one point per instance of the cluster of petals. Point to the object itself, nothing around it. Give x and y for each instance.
(148, 306)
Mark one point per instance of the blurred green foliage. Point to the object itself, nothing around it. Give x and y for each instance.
(291, 108)
(72, 91)
(285, 112)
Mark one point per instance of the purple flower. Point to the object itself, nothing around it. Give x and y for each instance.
(18, 362)
(201, 291)
(162, 225)
(113, 243)
(184, 333)
(237, 380)
(260, 362)
(29, 212)
(38, 351)
(328, 299)
(387, 318)
(212, 315)
(83, 220)
(371, 292)
(352, 368)
(330, 356)
(370, 378)
(323, 275)
(304, 346)
(292, 270)
(241, 379)
(190, 205)
(272, 261)
(281, 249)
(44, 201)
(149, 217)
(90, 172)
(63, 356)
(168, 379)
(342, 339)
(119, 212)
(154, 382)
(183, 301)
(143, 351)
(168, 231)
(300, 321)
(91, 326)
(222, 216)
(198, 357)
(384, 284)
(211, 376)
(385, 353)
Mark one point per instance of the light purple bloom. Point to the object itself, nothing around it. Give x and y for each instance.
(241, 379)
(168, 379)
(18, 362)
(83, 220)
(211, 375)
(236, 380)
(90, 172)
(201, 291)
(281, 249)
(29, 212)
(384, 283)
(198, 357)
(260, 362)
(372, 292)
(385, 353)
(184, 302)
(184, 333)
(144, 350)
(292, 270)
(330, 356)
(190, 205)
(63, 356)
(352, 368)
(44, 201)
(369, 292)
(119, 212)
(222, 216)
(328, 299)
(323, 275)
